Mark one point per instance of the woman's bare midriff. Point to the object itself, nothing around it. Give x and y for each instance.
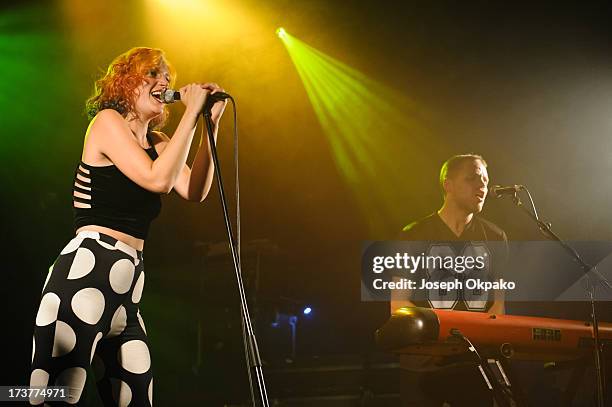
(132, 241)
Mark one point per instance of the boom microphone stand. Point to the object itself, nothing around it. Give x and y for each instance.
(259, 398)
(545, 228)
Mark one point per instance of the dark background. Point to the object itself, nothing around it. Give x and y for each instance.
(526, 84)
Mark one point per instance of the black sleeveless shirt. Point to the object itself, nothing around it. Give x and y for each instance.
(113, 200)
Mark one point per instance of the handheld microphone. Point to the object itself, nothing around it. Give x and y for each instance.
(170, 96)
(498, 190)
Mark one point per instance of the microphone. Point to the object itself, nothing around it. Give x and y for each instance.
(170, 96)
(498, 190)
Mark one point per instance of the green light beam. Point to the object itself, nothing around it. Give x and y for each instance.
(368, 126)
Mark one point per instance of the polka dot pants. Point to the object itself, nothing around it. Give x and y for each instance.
(89, 314)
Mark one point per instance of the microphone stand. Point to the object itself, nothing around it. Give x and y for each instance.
(250, 342)
(502, 396)
(546, 230)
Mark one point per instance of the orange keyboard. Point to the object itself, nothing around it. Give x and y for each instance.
(426, 331)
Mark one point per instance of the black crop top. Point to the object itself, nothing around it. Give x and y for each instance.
(113, 200)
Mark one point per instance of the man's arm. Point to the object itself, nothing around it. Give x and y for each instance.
(499, 303)
(400, 298)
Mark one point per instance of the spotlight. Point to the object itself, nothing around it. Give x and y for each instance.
(282, 34)
(307, 311)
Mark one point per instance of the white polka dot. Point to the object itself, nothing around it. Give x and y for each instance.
(142, 325)
(72, 245)
(83, 263)
(137, 293)
(33, 348)
(95, 343)
(118, 323)
(48, 276)
(74, 378)
(151, 392)
(121, 392)
(126, 248)
(98, 367)
(88, 305)
(38, 378)
(106, 245)
(134, 357)
(64, 339)
(47, 312)
(121, 276)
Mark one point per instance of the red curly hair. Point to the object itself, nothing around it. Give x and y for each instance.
(115, 89)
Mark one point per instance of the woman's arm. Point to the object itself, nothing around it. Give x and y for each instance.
(193, 184)
(110, 132)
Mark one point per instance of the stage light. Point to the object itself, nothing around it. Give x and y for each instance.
(307, 311)
(282, 34)
(366, 124)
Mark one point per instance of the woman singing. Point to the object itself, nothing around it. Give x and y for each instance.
(89, 307)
